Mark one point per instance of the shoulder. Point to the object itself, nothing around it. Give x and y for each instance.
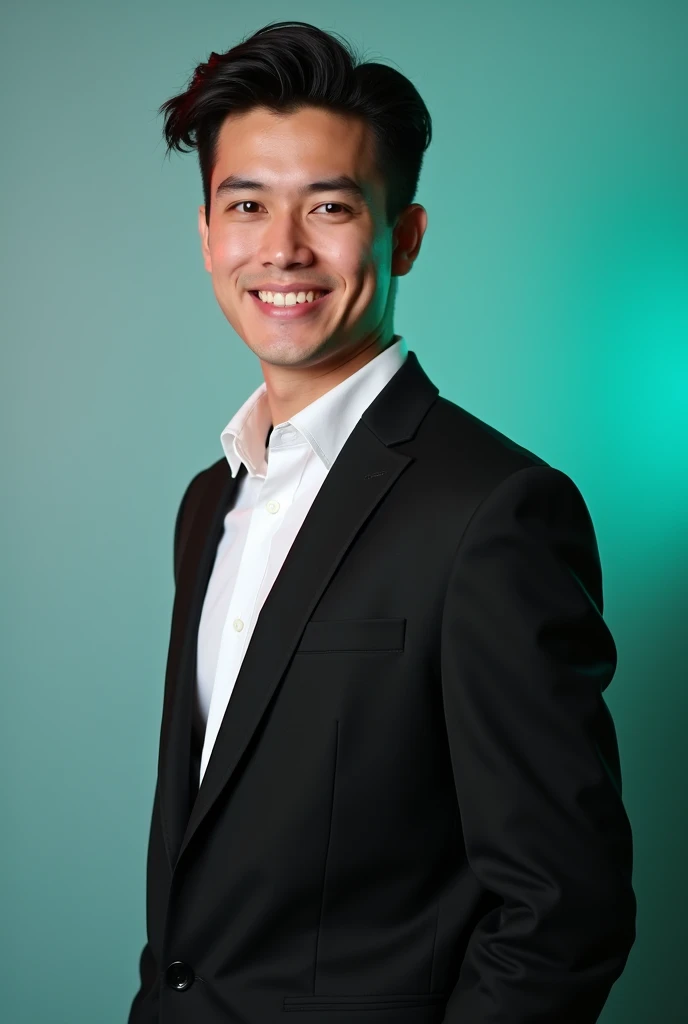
(464, 464)
(468, 455)
(210, 479)
(217, 472)
(198, 484)
(473, 441)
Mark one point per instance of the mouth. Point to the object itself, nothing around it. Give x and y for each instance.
(289, 304)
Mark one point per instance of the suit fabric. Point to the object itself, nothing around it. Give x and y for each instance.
(413, 808)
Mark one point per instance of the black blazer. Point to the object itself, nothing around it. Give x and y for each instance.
(413, 811)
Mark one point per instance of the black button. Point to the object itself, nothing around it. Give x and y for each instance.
(179, 975)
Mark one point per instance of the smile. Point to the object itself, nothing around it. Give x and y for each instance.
(285, 305)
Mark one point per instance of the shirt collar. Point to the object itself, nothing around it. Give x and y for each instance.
(325, 424)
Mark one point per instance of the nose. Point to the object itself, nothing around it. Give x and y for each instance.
(284, 244)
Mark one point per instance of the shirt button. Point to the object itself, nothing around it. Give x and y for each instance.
(238, 625)
(273, 506)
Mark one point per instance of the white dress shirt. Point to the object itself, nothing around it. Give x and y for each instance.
(271, 504)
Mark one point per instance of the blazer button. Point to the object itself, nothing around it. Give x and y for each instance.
(179, 975)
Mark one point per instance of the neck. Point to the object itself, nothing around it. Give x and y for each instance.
(291, 388)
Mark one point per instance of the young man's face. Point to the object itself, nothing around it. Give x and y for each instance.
(279, 233)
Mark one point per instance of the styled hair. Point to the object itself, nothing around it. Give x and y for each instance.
(288, 65)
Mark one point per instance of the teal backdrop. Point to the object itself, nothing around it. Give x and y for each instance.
(550, 298)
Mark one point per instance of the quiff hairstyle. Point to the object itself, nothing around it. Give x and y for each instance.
(288, 65)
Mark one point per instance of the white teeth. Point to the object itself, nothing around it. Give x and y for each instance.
(288, 298)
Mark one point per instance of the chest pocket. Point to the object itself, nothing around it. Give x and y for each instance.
(341, 636)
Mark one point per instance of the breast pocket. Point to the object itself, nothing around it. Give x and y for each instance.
(352, 635)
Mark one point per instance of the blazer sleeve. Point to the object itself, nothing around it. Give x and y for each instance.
(145, 1005)
(526, 656)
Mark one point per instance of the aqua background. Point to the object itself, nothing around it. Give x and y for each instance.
(550, 298)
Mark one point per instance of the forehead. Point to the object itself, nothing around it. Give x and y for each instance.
(290, 148)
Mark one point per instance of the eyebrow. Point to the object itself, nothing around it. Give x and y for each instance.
(342, 183)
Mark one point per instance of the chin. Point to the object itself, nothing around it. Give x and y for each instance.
(286, 351)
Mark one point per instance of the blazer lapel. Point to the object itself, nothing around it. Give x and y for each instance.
(365, 470)
(205, 532)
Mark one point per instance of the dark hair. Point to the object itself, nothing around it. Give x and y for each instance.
(288, 65)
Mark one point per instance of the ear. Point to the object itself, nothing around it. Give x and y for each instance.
(407, 238)
(203, 232)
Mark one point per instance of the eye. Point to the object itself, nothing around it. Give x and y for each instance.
(244, 202)
(341, 207)
(252, 202)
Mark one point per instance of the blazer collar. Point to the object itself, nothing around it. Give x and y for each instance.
(367, 467)
(325, 423)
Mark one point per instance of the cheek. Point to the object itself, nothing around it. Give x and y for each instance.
(373, 277)
(362, 272)
(374, 261)
(228, 255)
(372, 273)
(347, 255)
(381, 255)
(230, 249)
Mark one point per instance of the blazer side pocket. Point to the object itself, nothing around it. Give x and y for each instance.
(350, 635)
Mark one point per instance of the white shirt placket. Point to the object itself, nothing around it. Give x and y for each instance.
(287, 458)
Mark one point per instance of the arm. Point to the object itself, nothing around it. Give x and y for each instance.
(526, 655)
(145, 1006)
(146, 1003)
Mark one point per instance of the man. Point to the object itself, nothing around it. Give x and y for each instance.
(389, 784)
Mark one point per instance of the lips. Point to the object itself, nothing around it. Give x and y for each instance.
(299, 309)
(296, 288)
